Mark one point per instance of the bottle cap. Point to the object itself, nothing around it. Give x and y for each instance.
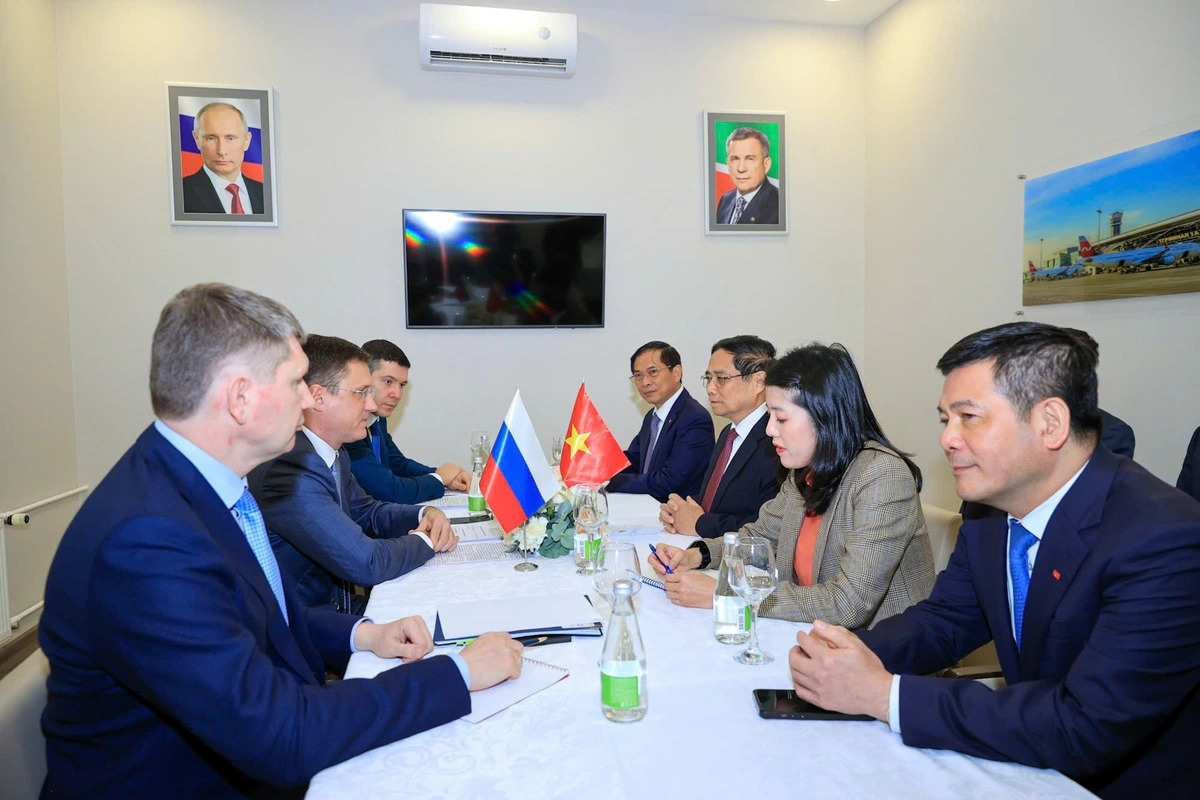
(623, 586)
(730, 539)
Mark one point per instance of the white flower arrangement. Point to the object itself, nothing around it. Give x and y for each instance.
(550, 532)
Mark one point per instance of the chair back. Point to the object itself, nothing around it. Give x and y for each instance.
(943, 528)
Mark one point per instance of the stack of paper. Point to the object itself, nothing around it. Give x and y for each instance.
(565, 612)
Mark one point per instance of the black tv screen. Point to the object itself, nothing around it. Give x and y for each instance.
(484, 269)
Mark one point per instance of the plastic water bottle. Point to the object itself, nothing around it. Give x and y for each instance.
(731, 614)
(475, 502)
(623, 660)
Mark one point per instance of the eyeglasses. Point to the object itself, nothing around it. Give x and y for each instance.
(651, 373)
(363, 394)
(720, 380)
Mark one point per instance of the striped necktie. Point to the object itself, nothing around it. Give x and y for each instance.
(655, 423)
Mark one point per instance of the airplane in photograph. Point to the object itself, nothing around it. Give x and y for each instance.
(1069, 271)
(1139, 257)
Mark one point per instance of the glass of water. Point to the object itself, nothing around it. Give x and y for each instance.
(616, 560)
(556, 451)
(753, 575)
(591, 510)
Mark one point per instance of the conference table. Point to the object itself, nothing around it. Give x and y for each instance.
(702, 736)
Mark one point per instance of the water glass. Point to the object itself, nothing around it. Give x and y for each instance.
(556, 451)
(480, 446)
(616, 560)
(591, 510)
(753, 575)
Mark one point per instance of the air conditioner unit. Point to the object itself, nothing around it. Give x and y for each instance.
(476, 39)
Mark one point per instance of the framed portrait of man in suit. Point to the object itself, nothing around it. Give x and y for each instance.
(744, 173)
(222, 155)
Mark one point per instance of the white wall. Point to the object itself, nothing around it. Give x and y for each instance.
(961, 97)
(364, 133)
(37, 435)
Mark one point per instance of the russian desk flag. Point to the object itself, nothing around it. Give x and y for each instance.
(517, 480)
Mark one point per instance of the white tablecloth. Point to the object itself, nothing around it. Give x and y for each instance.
(702, 736)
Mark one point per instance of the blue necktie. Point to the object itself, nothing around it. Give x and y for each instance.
(654, 424)
(251, 521)
(343, 588)
(1019, 542)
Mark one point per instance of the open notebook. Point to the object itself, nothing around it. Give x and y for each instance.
(535, 676)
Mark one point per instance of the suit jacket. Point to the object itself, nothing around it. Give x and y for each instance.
(1105, 685)
(751, 478)
(872, 558)
(318, 541)
(173, 671)
(394, 479)
(1116, 435)
(762, 210)
(685, 439)
(1189, 476)
(199, 196)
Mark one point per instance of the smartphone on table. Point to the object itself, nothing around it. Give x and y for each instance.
(784, 704)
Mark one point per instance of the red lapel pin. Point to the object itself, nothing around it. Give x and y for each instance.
(1056, 575)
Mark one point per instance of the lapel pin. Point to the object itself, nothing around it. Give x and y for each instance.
(1056, 575)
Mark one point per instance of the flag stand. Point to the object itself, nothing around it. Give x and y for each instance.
(525, 566)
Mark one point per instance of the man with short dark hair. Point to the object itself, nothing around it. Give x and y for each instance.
(743, 470)
(671, 450)
(326, 531)
(181, 664)
(378, 465)
(1090, 588)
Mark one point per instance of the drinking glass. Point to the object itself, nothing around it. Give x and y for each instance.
(753, 575)
(616, 560)
(591, 510)
(480, 446)
(556, 451)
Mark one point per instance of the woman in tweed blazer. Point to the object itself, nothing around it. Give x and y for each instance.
(871, 557)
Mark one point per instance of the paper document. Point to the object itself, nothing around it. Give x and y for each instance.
(535, 676)
(473, 553)
(545, 613)
(487, 530)
(448, 500)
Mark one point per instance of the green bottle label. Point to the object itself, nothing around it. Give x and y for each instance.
(618, 692)
(592, 549)
(476, 504)
(746, 620)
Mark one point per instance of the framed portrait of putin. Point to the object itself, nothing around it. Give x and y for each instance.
(222, 155)
(745, 175)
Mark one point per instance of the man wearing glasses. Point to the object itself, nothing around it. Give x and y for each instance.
(669, 454)
(327, 533)
(743, 469)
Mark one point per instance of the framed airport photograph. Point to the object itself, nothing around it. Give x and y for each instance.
(222, 155)
(744, 173)
(1123, 226)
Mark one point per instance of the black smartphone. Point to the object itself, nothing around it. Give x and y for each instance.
(784, 704)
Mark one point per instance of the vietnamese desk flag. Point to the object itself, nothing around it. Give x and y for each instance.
(517, 481)
(590, 454)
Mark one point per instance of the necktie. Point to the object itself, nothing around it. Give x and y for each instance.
(719, 470)
(342, 588)
(237, 201)
(255, 530)
(655, 422)
(738, 208)
(1019, 542)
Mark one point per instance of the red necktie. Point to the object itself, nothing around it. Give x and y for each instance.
(714, 480)
(237, 201)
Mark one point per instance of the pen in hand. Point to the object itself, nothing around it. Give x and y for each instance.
(665, 566)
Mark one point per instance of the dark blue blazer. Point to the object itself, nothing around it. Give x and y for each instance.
(762, 210)
(1189, 475)
(390, 476)
(173, 672)
(317, 541)
(1106, 685)
(751, 479)
(685, 440)
(1116, 435)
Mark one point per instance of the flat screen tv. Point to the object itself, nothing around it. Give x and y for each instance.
(485, 269)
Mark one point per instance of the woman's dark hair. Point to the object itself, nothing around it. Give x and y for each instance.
(823, 380)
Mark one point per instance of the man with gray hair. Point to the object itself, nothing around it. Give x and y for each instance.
(219, 187)
(754, 200)
(181, 666)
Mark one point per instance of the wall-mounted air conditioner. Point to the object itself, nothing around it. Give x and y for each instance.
(475, 39)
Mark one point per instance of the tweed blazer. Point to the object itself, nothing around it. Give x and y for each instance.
(872, 558)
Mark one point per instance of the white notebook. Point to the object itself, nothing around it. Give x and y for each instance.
(535, 676)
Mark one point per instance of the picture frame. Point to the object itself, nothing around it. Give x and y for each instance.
(745, 155)
(198, 170)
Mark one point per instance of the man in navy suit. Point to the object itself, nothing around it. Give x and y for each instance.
(743, 470)
(378, 465)
(671, 450)
(1090, 588)
(327, 533)
(181, 666)
(1189, 474)
(754, 200)
(219, 187)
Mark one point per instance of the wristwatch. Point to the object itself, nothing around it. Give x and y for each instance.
(705, 556)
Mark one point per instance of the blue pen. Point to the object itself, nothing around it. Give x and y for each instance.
(668, 569)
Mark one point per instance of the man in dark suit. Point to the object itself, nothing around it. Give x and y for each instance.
(1189, 473)
(670, 452)
(1090, 588)
(219, 187)
(743, 470)
(378, 465)
(181, 666)
(326, 531)
(754, 200)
